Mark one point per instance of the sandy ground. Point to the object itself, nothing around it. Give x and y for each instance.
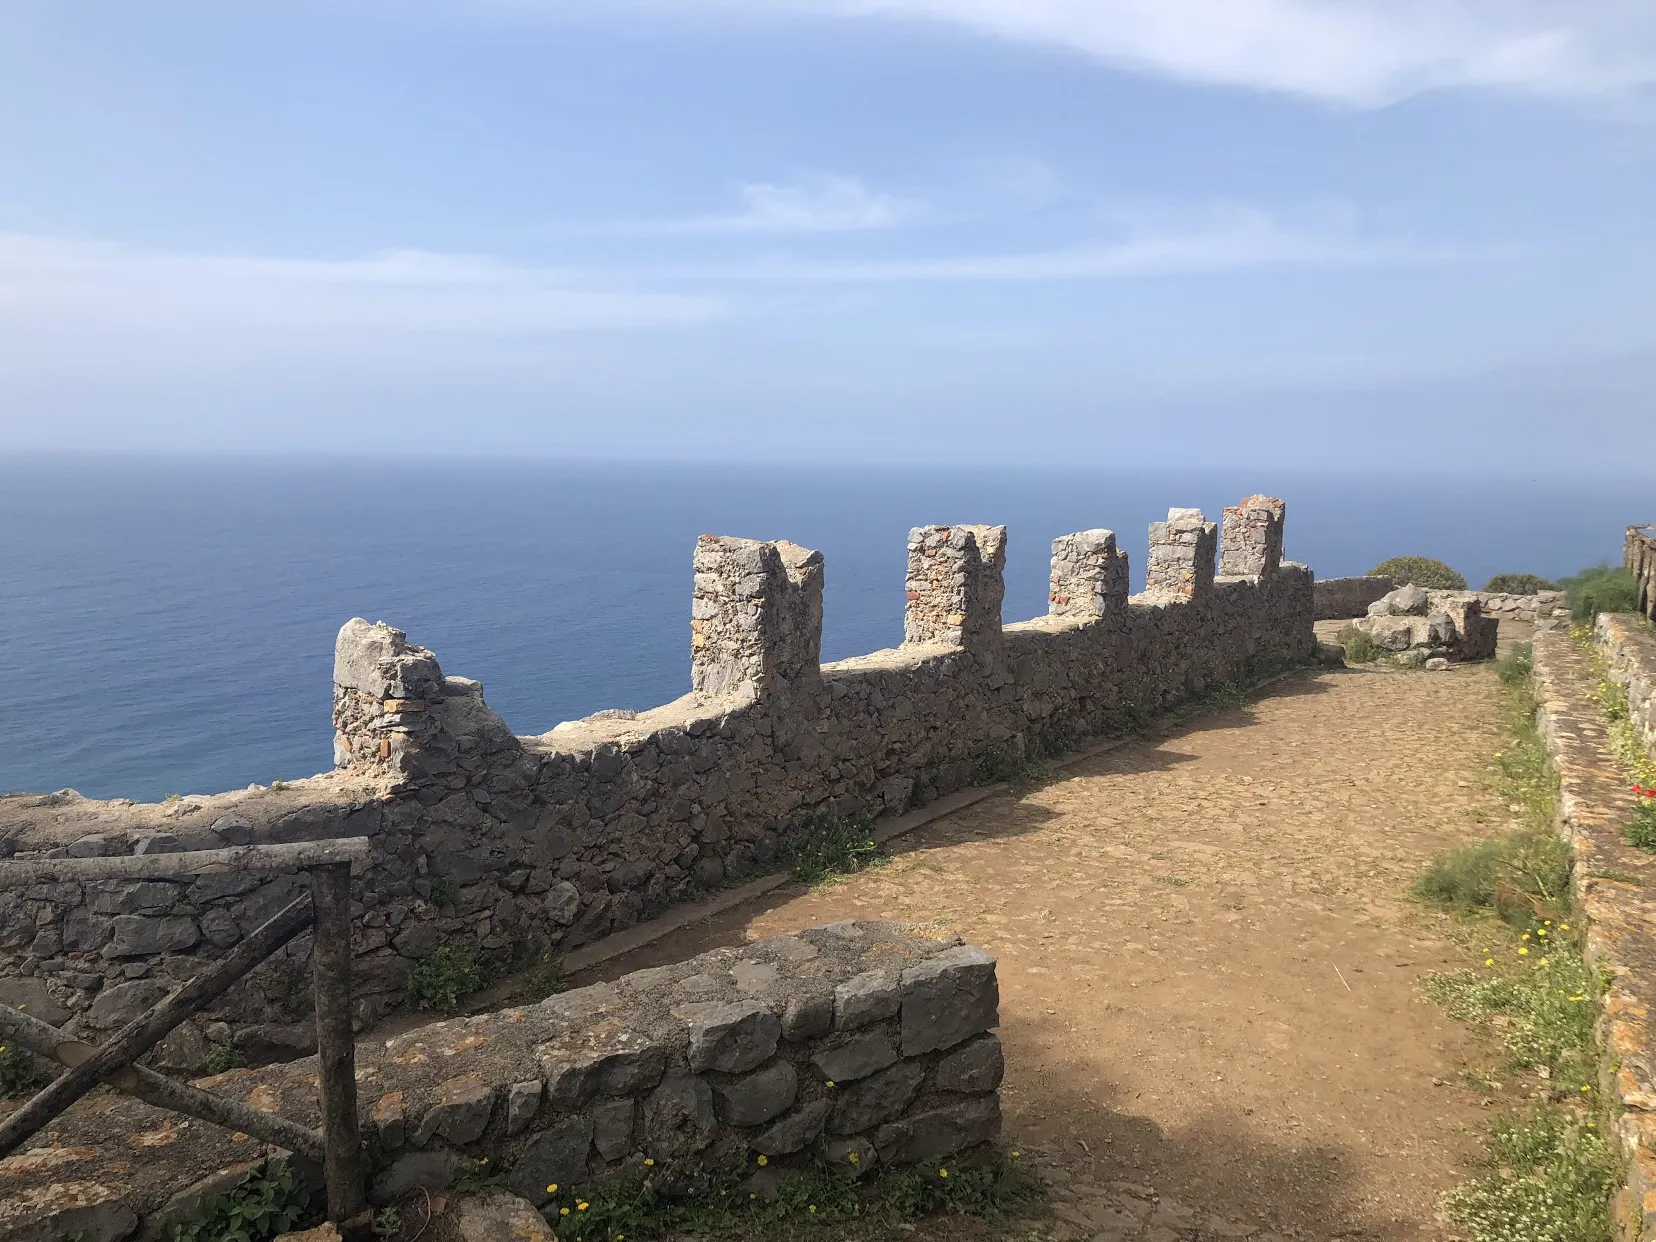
(1209, 965)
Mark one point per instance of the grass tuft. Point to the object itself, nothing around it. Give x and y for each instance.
(1359, 647)
(222, 1058)
(1551, 1180)
(20, 1073)
(1516, 667)
(838, 847)
(446, 977)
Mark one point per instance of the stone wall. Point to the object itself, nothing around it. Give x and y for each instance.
(1639, 556)
(1630, 653)
(1544, 608)
(530, 844)
(864, 1043)
(1344, 599)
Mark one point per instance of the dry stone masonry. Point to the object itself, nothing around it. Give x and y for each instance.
(1421, 626)
(521, 845)
(863, 1042)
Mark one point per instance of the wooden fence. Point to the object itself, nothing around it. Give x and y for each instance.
(327, 907)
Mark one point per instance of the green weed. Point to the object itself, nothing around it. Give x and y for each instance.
(1517, 666)
(444, 978)
(443, 892)
(1552, 1178)
(1359, 647)
(834, 848)
(387, 1223)
(475, 1177)
(258, 1207)
(20, 1074)
(543, 977)
(1641, 829)
(222, 1058)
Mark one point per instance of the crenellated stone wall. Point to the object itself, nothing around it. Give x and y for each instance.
(521, 845)
(866, 1044)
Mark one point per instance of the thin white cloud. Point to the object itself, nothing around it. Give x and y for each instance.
(823, 203)
(90, 285)
(1172, 243)
(1365, 53)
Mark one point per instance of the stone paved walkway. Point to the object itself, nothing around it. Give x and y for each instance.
(1209, 965)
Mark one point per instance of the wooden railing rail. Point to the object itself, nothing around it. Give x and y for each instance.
(326, 908)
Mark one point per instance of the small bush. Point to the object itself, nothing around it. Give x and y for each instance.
(444, 978)
(1601, 589)
(1420, 571)
(1641, 829)
(543, 977)
(1553, 1180)
(837, 847)
(258, 1207)
(222, 1058)
(1518, 584)
(1517, 666)
(1359, 647)
(20, 1074)
(1523, 877)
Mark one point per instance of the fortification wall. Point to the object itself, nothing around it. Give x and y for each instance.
(1345, 599)
(523, 844)
(862, 1042)
(1639, 557)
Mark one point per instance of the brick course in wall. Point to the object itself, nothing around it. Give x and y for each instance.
(531, 844)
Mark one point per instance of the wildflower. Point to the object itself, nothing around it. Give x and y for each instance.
(1585, 1089)
(1522, 951)
(580, 1207)
(1489, 961)
(852, 1157)
(1563, 927)
(763, 1161)
(1541, 931)
(1016, 1154)
(829, 1084)
(1543, 961)
(1497, 754)
(563, 1211)
(552, 1189)
(648, 1163)
(942, 1172)
(812, 1208)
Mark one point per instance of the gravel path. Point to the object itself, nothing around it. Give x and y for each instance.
(1209, 963)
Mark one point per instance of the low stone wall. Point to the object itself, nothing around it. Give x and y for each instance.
(532, 844)
(1541, 608)
(865, 1043)
(1341, 599)
(1629, 648)
(1613, 884)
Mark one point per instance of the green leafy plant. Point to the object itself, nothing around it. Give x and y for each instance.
(387, 1223)
(834, 848)
(1518, 584)
(1360, 648)
(1420, 571)
(1517, 666)
(443, 891)
(1601, 589)
(445, 977)
(20, 1073)
(1552, 1177)
(258, 1207)
(1641, 829)
(543, 977)
(222, 1058)
(475, 1177)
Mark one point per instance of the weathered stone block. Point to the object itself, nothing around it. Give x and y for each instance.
(600, 1061)
(1089, 576)
(555, 1156)
(461, 1112)
(756, 1098)
(873, 1100)
(949, 998)
(794, 1133)
(612, 1127)
(940, 1132)
(973, 1068)
(866, 999)
(855, 1058)
(730, 1036)
(138, 935)
(955, 586)
(678, 1118)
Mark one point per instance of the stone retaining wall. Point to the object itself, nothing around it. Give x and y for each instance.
(864, 1043)
(1541, 608)
(1639, 556)
(1343, 599)
(1630, 653)
(530, 844)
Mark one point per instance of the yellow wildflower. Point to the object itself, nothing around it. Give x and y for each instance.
(648, 1163)
(552, 1189)
(763, 1161)
(1489, 961)
(942, 1172)
(1522, 951)
(580, 1207)
(563, 1211)
(812, 1208)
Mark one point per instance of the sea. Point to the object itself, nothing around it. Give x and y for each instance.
(167, 623)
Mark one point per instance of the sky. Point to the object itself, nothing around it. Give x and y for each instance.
(1314, 233)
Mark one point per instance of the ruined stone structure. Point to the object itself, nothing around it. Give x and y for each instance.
(1430, 625)
(1342, 599)
(1639, 556)
(863, 1041)
(532, 844)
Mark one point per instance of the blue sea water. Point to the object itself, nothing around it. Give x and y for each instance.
(167, 624)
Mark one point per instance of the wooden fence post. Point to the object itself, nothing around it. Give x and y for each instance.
(344, 1168)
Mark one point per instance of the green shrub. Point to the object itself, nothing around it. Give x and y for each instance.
(444, 978)
(1517, 666)
(1359, 647)
(1601, 589)
(258, 1207)
(222, 1058)
(1641, 829)
(1519, 584)
(1522, 877)
(1420, 571)
(20, 1074)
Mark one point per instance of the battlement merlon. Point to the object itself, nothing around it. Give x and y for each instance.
(955, 586)
(1089, 576)
(756, 617)
(1182, 549)
(1251, 538)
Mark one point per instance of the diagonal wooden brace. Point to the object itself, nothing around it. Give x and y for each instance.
(143, 1083)
(151, 1027)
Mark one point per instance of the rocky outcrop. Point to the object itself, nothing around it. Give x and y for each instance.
(1418, 626)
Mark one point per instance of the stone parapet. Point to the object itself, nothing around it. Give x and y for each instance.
(1251, 543)
(864, 1043)
(522, 845)
(1181, 557)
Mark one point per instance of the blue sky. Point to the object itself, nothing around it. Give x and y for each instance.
(1112, 232)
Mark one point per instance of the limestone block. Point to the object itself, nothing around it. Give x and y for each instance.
(522, 1102)
(947, 999)
(612, 1127)
(1089, 576)
(411, 1171)
(461, 1113)
(857, 1154)
(498, 1218)
(756, 617)
(90, 1211)
(603, 1060)
(1251, 538)
(1181, 561)
(139, 935)
(678, 1118)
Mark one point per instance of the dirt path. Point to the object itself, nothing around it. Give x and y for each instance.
(1209, 965)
